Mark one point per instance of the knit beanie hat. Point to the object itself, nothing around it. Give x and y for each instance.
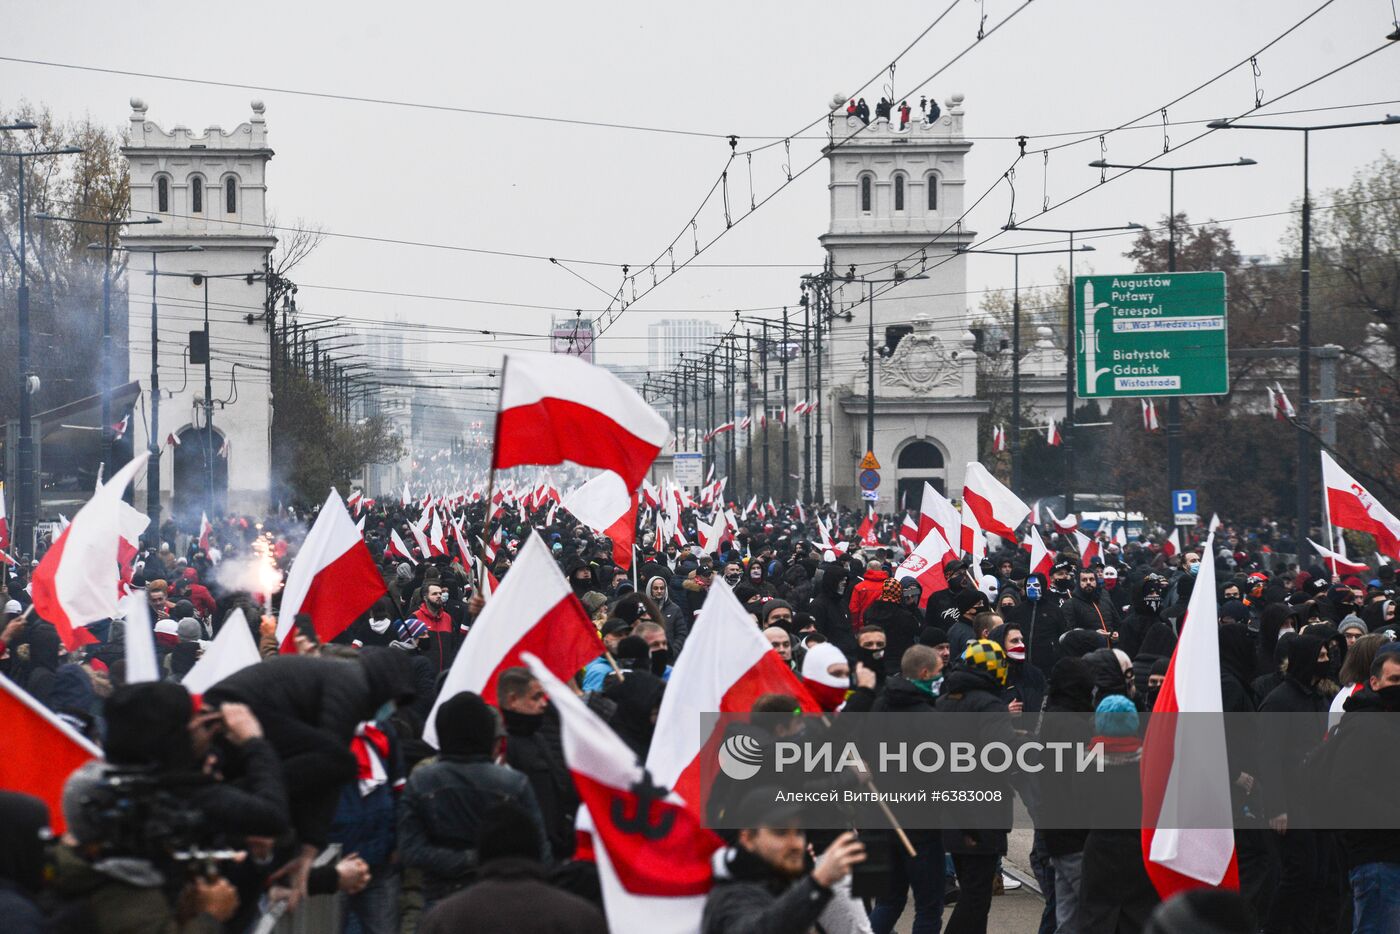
(466, 725)
(1116, 716)
(986, 655)
(891, 591)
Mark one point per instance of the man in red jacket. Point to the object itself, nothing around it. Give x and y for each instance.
(865, 593)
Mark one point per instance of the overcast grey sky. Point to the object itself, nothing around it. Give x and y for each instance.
(755, 69)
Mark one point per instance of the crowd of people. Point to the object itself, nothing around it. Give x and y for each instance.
(885, 109)
(312, 766)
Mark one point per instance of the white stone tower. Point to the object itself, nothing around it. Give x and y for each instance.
(896, 196)
(209, 191)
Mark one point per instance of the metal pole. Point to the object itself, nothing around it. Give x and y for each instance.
(787, 463)
(1016, 376)
(153, 467)
(806, 394)
(1174, 481)
(870, 372)
(1304, 353)
(208, 407)
(1067, 434)
(107, 433)
(823, 307)
(729, 413)
(24, 502)
(763, 365)
(748, 407)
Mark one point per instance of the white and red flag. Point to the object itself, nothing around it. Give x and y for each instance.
(398, 549)
(1283, 409)
(998, 438)
(205, 529)
(1088, 548)
(172, 440)
(119, 429)
(1042, 561)
(41, 751)
(728, 667)
(925, 565)
(1052, 433)
(353, 500)
(557, 408)
(1064, 526)
(232, 650)
(4, 522)
(1351, 506)
(908, 533)
(78, 580)
(935, 512)
(437, 538)
(653, 855)
(605, 506)
(532, 611)
(997, 509)
(867, 531)
(333, 579)
(1171, 545)
(1149, 415)
(1188, 840)
(1337, 561)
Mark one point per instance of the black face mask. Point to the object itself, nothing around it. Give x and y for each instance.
(1152, 697)
(1059, 583)
(1153, 602)
(660, 659)
(521, 724)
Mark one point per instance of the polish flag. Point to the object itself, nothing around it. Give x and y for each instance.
(405, 499)
(1171, 545)
(77, 581)
(1120, 536)
(729, 666)
(333, 578)
(437, 539)
(908, 533)
(205, 528)
(1187, 836)
(420, 536)
(935, 512)
(653, 878)
(533, 611)
(997, 509)
(172, 440)
(1337, 561)
(232, 650)
(752, 505)
(4, 522)
(1052, 433)
(353, 500)
(972, 541)
(41, 751)
(540, 421)
(1088, 548)
(398, 549)
(925, 565)
(139, 639)
(119, 429)
(1283, 409)
(999, 438)
(1042, 561)
(1149, 415)
(1350, 506)
(1214, 523)
(1064, 526)
(867, 531)
(604, 505)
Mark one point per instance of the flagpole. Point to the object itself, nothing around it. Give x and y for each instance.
(1327, 518)
(863, 776)
(491, 478)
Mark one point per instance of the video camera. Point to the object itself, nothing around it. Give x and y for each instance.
(137, 813)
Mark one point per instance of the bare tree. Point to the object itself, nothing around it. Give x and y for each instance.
(294, 243)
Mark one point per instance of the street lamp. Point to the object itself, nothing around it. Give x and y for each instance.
(1068, 434)
(1016, 346)
(108, 436)
(1174, 478)
(153, 436)
(24, 454)
(1304, 301)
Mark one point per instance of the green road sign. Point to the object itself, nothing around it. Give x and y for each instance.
(1151, 334)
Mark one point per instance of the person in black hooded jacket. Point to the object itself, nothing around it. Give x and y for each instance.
(638, 698)
(1090, 606)
(1305, 855)
(1041, 621)
(1145, 613)
(309, 708)
(1070, 698)
(899, 618)
(1258, 870)
(831, 609)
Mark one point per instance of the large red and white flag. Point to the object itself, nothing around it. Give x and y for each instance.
(1188, 839)
(605, 506)
(532, 611)
(1351, 506)
(925, 565)
(935, 512)
(41, 751)
(557, 408)
(333, 579)
(78, 580)
(997, 509)
(728, 667)
(1042, 561)
(652, 853)
(139, 639)
(1337, 561)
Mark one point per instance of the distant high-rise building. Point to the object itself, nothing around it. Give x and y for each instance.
(573, 336)
(669, 338)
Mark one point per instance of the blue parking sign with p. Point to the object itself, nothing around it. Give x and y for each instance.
(1184, 501)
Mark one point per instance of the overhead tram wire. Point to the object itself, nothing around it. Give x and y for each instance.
(608, 318)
